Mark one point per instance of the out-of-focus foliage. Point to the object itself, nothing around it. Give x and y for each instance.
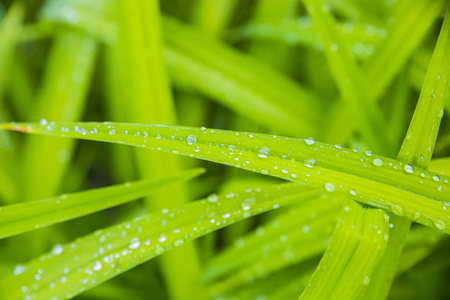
(368, 79)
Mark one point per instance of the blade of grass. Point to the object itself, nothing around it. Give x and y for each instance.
(203, 63)
(370, 179)
(10, 28)
(417, 148)
(23, 217)
(73, 268)
(410, 18)
(345, 241)
(314, 217)
(144, 80)
(272, 101)
(350, 80)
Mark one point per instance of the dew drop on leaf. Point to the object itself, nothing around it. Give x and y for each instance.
(248, 203)
(310, 141)
(329, 187)
(57, 249)
(191, 140)
(263, 152)
(97, 266)
(377, 162)
(408, 169)
(161, 238)
(135, 243)
(212, 198)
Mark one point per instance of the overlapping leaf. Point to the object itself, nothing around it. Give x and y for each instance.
(19, 218)
(405, 190)
(70, 269)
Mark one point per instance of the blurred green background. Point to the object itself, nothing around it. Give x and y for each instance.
(248, 65)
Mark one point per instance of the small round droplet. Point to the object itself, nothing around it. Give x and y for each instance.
(377, 162)
(263, 152)
(57, 249)
(310, 141)
(353, 192)
(248, 203)
(369, 153)
(436, 178)
(42, 122)
(161, 238)
(366, 280)
(135, 243)
(329, 187)
(191, 140)
(212, 198)
(97, 266)
(408, 169)
(112, 131)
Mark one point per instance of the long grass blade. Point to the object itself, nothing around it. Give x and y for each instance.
(367, 178)
(73, 268)
(23, 217)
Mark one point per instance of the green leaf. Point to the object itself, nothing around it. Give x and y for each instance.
(349, 79)
(417, 148)
(345, 241)
(22, 217)
(280, 237)
(73, 268)
(403, 189)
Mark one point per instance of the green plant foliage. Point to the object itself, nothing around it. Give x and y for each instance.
(280, 149)
(19, 218)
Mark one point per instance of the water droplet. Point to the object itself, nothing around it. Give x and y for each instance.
(18, 269)
(436, 178)
(94, 130)
(125, 132)
(229, 195)
(285, 171)
(310, 141)
(353, 192)
(377, 162)
(334, 47)
(439, 224)
(42, 122)
(191, 140)
(135, 243)
(263, 152)
(57, 249)
(264, 171)
(97, 266)
(112, 131)
(369, 153)
(408, 169)
(439, 188)
(226, 216)
(305, 229)
(212, 198)
(329, 187)
(161, 238)
(309, 163)
(197, 149)
(248, 203)
(366, 280)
